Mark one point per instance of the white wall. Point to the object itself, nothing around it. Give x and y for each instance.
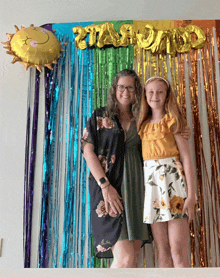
(14, 81)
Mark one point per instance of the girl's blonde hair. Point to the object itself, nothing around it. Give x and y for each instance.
(171, 106)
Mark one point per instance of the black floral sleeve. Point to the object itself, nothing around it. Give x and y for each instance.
(89, 132)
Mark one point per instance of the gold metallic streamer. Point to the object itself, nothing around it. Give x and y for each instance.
(203, 260)
(182, 99)
(159, 60)
(171, 64)
(205, 239)
(164, 65)
(211, 116)
(144, 66)
(140, 62)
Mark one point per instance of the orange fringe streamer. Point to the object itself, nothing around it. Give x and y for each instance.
(202, 78)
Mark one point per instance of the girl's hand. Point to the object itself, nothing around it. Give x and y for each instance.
(186, 133)
(189, 206)
(112, 200)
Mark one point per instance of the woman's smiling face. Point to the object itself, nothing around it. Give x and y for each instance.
(156, 94)
(125, 96)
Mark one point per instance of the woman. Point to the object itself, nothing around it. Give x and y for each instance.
(111, 147)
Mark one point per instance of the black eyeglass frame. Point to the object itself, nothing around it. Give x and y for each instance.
(122, 90)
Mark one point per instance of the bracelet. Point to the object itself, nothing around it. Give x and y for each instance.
(105, 186)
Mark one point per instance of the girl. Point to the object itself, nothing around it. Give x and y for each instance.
(167, 204)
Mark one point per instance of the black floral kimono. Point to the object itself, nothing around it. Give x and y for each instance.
(107, 137)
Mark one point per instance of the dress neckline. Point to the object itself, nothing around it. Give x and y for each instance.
(159, 121)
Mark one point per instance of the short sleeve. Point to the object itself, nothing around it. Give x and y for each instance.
(140, 133)
(169, 120)
(89, 132)
(142, 130)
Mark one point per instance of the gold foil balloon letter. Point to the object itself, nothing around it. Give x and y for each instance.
(144, 42)
(79, 42)
(200, 42)
(126, 30)
(108, 35)
(92, 30)
(182, 39)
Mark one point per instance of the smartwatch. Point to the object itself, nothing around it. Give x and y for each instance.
(102, 180)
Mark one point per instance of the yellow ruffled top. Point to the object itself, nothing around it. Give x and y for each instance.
(157, 139)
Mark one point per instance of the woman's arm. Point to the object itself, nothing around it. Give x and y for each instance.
(186, 133)
(110, 194)
(183, 146)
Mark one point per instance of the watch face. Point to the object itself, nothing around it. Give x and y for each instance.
(102, 180)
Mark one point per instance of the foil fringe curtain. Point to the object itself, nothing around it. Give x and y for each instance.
(195, 77)
(78, 84)
(64, 237)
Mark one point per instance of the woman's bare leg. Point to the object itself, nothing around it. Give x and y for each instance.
(137, 248)
(126, 253)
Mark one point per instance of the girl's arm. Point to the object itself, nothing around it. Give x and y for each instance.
(183, 146)
(110, 194)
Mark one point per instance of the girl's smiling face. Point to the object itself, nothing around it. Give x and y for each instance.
(156, 94)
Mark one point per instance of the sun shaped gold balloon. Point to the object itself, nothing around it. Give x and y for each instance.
(33, 47)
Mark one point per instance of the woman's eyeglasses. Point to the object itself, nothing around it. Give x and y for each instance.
(129, 88)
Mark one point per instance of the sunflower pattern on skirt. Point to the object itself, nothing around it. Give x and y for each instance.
(165, 190)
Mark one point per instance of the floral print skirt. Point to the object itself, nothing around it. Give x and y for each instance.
(165, 190)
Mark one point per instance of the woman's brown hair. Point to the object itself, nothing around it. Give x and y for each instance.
(112, 100)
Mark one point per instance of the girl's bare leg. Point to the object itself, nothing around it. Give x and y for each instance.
(161, 239)
(178, 231)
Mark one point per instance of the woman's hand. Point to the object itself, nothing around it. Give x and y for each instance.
(189, 206)
(112, 200)
(186, 133)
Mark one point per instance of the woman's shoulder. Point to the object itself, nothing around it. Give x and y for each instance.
(100, 110)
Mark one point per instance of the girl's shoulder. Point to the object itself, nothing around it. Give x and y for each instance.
(150, 130)
(166, 123)
(144, 127)
(168, 120)
(145, 123)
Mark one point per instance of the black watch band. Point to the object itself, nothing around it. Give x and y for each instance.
(102, 180)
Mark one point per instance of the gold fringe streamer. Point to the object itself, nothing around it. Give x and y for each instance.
(202, 79)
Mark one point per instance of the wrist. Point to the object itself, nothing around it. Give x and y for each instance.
(102, 181)
(191, 195)
(103, 186)
(191, 198)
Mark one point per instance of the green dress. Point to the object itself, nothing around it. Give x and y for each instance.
(132, 190)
